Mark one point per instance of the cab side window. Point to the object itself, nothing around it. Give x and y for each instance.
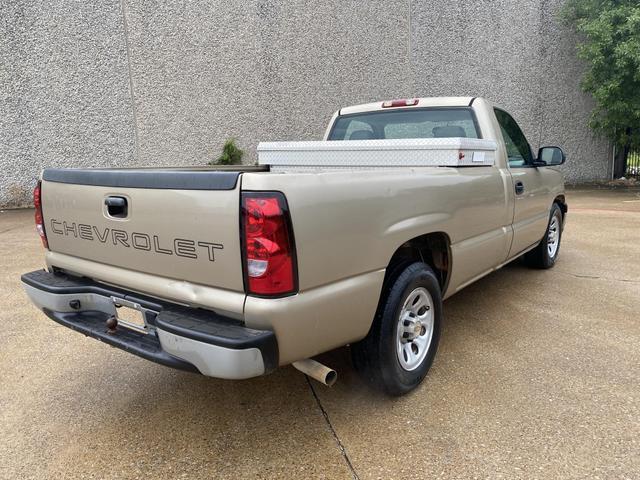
(518, 149)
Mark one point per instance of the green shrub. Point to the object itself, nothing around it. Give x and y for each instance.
(231, 154)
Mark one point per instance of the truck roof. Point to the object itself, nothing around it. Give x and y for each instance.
(421, 102)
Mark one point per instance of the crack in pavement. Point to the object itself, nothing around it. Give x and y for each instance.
(595, 277)
(609, 210)
(9, 229)
(343, 450)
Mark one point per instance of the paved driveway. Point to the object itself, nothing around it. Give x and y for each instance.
(537, 376)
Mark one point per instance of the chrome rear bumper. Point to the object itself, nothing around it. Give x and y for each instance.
(179, 337)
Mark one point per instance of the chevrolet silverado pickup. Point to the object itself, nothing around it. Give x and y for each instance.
(353, 240)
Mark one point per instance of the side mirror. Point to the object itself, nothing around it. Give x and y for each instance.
(550, 156)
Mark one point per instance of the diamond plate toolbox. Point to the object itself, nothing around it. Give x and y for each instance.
(375, 154)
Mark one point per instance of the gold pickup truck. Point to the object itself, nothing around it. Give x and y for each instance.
(354, 240)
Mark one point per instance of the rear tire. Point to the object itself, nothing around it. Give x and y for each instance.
(546, 253)
(398, 351)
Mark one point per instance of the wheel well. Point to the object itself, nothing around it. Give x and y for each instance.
(431, 248)
(561, 203)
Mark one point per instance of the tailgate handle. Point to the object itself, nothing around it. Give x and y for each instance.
(116, 206)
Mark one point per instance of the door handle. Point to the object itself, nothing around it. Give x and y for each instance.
(117, 207)
(115, 201)
(519, 188)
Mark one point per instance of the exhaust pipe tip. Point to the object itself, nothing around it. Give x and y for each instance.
(330, 378)
(317, 371)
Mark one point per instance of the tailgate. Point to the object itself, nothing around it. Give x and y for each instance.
(178, 224)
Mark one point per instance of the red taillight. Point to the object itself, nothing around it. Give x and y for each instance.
(37, 202)
(267, 241)
(404, 102)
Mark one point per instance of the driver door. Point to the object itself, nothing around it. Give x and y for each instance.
(531, 212)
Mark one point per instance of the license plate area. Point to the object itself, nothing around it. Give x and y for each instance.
(131, 315)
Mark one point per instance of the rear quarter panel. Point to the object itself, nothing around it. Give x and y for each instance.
(348, 224)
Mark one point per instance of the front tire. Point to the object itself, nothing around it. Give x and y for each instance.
(546, 253)
(402, 343)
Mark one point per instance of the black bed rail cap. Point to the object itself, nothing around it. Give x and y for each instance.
(143, 178)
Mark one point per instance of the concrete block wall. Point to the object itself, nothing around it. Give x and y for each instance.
(64, 91)
(151, 82)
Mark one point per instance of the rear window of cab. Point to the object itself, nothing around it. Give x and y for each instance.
(406, 123)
